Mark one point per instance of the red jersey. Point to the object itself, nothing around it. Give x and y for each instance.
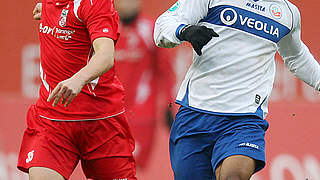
(67, 30)
(141, 68)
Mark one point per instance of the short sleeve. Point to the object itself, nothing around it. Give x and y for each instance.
(100, 18)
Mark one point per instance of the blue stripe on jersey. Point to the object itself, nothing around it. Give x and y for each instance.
(246, 21)
(185, 99)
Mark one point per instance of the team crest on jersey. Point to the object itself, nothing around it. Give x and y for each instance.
(63, 18)
(174, 7)
(275, 11)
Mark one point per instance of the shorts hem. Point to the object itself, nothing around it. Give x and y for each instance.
(261, 162)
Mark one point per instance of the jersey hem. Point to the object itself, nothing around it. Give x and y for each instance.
(219, 113)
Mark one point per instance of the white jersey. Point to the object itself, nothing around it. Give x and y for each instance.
(235, 74)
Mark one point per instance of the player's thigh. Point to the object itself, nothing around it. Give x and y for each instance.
(191, 158)
(41, 173)
(242, 149)
(110, 168)
(47, 144)
(237, 167)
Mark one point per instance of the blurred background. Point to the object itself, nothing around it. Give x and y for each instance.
(293, 148)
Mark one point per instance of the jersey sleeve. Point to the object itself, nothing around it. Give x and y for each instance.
(182, 13)
(297, 56)
(100, 18)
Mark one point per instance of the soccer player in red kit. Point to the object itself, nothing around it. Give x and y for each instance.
(146, 73)
(80, 113)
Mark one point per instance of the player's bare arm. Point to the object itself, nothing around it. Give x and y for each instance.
(101, 62)
(37, 11)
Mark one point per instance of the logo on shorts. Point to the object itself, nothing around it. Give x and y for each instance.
(249, 145)
(30, 156)
(105, 30)
(120, 179)
(63, 18)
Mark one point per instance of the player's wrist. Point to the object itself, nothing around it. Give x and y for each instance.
(180, 30)
(81, 79)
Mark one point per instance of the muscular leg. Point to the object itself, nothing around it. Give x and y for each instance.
(42, 173)
(237, 167)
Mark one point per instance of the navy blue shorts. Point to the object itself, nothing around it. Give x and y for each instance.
(200, 141)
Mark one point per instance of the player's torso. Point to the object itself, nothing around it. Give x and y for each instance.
(64, 39)
(249, 32)
(135, 55)
(236, 70)
(65, 49)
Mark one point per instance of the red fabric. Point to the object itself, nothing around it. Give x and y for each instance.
(105, 146)
(142, 68)
(147, 75)
(66, 47)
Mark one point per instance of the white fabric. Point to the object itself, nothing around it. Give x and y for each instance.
(77, 4)
(238, 66)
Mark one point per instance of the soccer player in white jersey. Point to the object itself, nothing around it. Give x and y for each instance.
(219, 130)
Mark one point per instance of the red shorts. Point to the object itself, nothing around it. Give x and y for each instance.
(104, 147)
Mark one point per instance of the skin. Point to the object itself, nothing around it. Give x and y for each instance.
(102, 61)
(37, 11)
(236, 167)
(67, 90)
(41, 173)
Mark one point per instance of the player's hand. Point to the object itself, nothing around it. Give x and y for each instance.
(37, 11)
(65, 91)
(198, 36)
(164, 43)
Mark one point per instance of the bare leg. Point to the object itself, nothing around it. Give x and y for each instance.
(236, 167)
(42, 173)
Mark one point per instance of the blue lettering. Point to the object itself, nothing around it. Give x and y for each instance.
(256, 6)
